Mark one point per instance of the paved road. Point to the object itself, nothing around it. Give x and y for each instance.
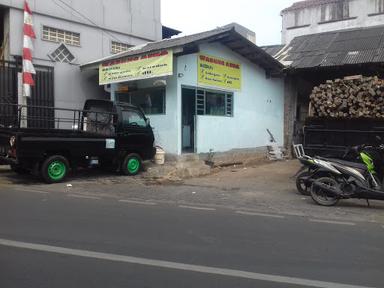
(251, 188)
(60, 240)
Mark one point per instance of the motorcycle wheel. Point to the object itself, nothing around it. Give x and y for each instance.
(301, 184)
(320, 197)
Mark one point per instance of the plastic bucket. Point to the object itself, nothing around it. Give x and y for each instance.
(160, 156)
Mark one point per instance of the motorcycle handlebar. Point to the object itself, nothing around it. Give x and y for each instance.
(355, 149)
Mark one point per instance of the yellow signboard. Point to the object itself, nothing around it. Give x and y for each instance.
(217, 72)
(144, 66)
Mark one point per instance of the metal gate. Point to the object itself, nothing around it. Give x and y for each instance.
(42, 94)
(8, 92)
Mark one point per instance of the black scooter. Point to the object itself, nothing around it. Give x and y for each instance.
(358, 157)
(310, 171)
(347, 181)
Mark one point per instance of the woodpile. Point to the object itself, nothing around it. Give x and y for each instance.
(351, 97)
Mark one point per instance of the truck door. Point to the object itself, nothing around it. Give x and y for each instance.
(135, 135)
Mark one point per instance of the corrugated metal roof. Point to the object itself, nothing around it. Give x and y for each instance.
(226, 35)
(336, 48)
(272, 49)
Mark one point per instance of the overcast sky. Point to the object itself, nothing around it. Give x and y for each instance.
(261, 16)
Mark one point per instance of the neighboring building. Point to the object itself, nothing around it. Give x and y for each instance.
(310, 60)
(169, 32)
(74, 32)
(244, 31)
(212, 91)
(317, 16)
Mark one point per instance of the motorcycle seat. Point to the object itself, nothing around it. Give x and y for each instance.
(349, 164)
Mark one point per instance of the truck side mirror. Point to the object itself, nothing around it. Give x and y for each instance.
(148, 121)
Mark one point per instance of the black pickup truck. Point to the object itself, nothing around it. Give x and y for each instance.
(50, 142)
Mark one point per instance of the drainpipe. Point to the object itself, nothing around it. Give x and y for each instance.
(113, 92)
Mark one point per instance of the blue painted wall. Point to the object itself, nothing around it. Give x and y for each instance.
(258, 106)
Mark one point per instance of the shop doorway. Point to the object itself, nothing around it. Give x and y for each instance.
(188, 119)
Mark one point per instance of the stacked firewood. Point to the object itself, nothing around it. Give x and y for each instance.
(351, 97)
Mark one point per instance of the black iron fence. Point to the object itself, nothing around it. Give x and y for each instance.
(42, 93)
(8, 87)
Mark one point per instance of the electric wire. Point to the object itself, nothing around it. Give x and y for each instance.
(87, 19)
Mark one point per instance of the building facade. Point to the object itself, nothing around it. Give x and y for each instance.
(311, 60)
(317, 16)
(221, 91)
(71, 32)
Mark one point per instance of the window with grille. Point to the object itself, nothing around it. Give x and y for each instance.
(214, 103)
(379, 6)
(118, 47)
(62, 54)
(61, 36)
(335, 11)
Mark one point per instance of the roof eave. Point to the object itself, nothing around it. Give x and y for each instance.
(256, 54)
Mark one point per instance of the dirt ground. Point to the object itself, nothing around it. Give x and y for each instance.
(265, 188)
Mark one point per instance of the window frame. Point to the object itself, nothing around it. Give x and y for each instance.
(141, 114)
(297, 16)
(164, 96)
(53, 58)
(377, 10)
(119, 43)
(65, 36)
(201, 101)
(344, 5)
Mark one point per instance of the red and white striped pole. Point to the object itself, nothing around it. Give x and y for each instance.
(28, 34)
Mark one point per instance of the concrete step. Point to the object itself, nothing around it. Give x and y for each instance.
(188, 158)
(177, 170)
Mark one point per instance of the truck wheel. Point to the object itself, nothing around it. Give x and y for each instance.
(131, 165)
(54, 169)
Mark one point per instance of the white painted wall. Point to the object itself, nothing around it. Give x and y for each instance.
(361, 9)
(138, 18)
(131, 21)
(94, 43)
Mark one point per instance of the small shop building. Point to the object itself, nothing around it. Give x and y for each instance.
(214, 91)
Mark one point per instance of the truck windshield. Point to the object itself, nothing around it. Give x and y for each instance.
(133, 118)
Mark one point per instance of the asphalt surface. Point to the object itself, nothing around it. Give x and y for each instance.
(97, 242)
(251, 188)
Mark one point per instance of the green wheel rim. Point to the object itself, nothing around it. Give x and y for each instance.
(57, 170)
(133, 165)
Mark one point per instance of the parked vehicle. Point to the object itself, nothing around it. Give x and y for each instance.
(54, 141)
(308, 171)
(304, 176)
(346, 180)
(368, 158)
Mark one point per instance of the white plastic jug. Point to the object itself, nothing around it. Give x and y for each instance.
(160, 156)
